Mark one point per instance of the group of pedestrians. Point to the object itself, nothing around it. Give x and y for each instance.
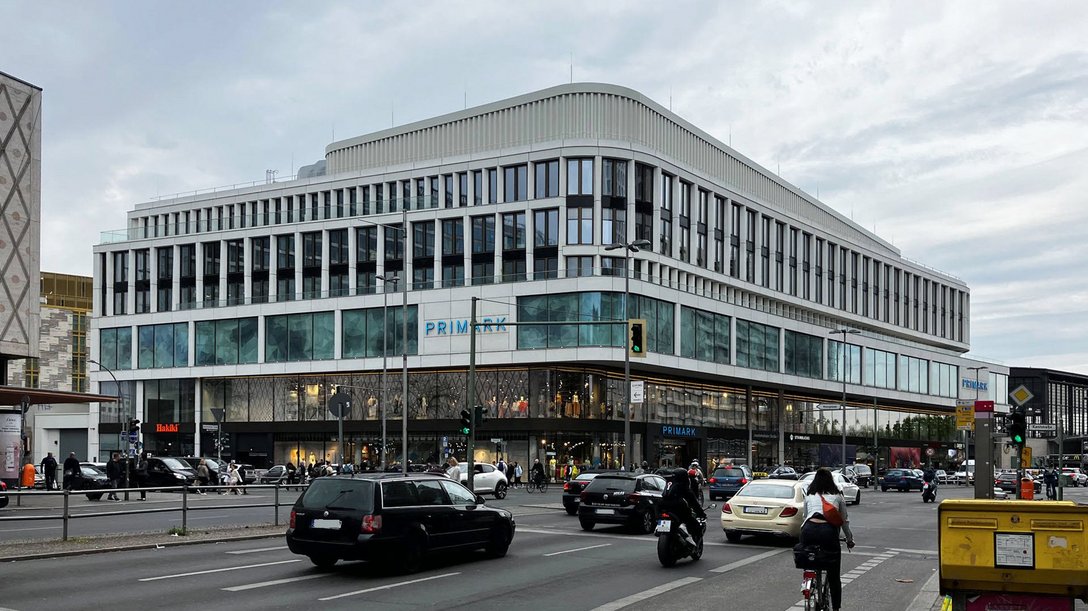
(233, 479)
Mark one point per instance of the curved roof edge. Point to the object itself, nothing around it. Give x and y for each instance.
(605, 88)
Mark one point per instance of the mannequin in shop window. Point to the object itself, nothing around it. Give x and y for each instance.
(505, 408)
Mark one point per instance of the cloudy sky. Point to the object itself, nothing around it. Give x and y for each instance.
(956, 130)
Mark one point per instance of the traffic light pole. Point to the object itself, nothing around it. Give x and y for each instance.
(470, 398)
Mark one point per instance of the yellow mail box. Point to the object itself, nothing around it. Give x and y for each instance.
(1029, 547)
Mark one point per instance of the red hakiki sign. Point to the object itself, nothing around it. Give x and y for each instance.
(168, 427)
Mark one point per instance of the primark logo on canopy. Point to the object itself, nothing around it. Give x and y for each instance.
(973, 384)
(459, 326)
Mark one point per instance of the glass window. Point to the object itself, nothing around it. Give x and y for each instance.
(879, 368)
(299, 337)
(840, 360)
(423, 239)
(483, 234)
(165, 345)
(492, 186)
(580, 225)
(614, 178)
(513, 231)
(226, 342)
(547, 179)
(367, 244)
(804, 354)
(453, 237)
(580, 176)
(704, 335)
(613, 226)
(515, 183)
(362, 332)
(546, 227)
(579, 266)
(757, 346)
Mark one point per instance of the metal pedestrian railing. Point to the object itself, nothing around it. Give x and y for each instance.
(66, 514)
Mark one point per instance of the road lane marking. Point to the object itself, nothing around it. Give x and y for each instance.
(388, 586)
(218, 517)
(577, 549)
(229, 568)
(746, 561)
(924, 552)
(274, 582)
(15, 530)
(258, 550)
(641, 596)
(634, 538)
(853, 575)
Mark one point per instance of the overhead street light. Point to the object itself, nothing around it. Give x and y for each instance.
(844, 332)
(385, 349)
(629, 249)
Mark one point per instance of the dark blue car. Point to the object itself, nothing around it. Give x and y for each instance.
(903, 480)
(724, 482)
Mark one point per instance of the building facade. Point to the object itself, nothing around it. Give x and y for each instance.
(261, 301)
(1059, 398)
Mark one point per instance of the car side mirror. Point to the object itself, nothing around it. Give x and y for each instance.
(479, 500)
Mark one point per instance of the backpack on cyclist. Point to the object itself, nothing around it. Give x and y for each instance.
(813, 557)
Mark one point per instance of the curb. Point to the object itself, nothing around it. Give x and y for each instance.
(122, 548)
(929, 597)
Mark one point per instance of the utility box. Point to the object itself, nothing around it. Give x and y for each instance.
(1013, 547)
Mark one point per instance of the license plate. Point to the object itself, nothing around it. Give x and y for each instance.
(608, 511)
(328, 524)
(759, 510)
(663, 526)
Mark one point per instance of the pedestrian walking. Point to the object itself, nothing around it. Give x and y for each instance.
(518, 472)
(141, 476)
(1050, 478)
(71, 470)
(115, 472)
(49, 468)
(233, 478)
(509, 473)
(242, 478)
(203, 476)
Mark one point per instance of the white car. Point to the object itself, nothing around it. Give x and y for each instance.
(850, 491)
(1078, 477)
(488, 479)
(1000, 494)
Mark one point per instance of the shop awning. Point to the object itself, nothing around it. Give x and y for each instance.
(13, 396)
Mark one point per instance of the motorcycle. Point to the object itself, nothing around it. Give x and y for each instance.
(672, 545)
(929, 492)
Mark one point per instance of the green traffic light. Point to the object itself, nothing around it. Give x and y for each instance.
(464, 430)
(1018, 439)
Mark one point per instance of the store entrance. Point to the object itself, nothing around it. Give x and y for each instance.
(671, 453)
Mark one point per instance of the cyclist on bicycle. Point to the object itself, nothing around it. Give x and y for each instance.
(536, 473)
(680, 501)
(818, 530)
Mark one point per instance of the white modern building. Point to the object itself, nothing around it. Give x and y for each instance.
(261, 300)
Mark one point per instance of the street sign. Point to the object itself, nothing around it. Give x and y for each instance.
(133, 437)
(1021, 395)
(340, 405)
(496, 440)
(825, 406)
(1043, 428)
(930, 452)
(638, 391)
(965, 415)
(1025, 458)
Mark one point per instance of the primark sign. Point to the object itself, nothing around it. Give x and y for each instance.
(973, 384)
(459, 326)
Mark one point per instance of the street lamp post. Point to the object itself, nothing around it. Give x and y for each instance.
(120, 406)
(385, 352)
(844, 332)
(629, 248)
(967, 433)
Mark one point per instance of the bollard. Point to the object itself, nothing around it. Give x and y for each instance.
(276, 506)
(64, 516)
(185, 509)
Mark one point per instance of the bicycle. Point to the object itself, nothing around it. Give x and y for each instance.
(816, 588)
(539, 482)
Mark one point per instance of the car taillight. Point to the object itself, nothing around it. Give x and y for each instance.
(664, 515)
(292, 518)
(566, 487)
(632, 498)
(713, 480)
(789, 511)
(726, 508)
(371, 524)
(743, 481)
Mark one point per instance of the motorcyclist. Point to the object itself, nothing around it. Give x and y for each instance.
(679, 501)
(697, 480)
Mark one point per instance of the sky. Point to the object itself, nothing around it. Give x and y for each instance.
(958, 131)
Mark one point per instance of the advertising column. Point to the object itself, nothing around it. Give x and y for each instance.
(11, 445)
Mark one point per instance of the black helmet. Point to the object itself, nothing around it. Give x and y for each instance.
(680, 480)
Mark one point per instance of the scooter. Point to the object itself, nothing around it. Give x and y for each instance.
(929, 492)
(672, 544)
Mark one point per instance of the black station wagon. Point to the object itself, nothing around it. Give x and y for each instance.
(387, 517)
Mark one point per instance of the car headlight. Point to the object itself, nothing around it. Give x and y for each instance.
(179, 476)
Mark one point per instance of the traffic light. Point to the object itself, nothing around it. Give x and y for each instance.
(636, 342)
(480, 414)
(134, 426)
(466, 422)
(1016, 426)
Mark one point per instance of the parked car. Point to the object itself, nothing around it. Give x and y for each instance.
(724, 482)
(943, 477)
(903, 480)
(572, 491)
(864, 475)
(276, 475)
(1000, 494)
(622, 498)
(850, 491)
(487, 479)
(3, 497)
(167, 471)
(783, 472)
(393, 517)
(765, 507)
(90, 478)
(1009, 482)
(1076, 476)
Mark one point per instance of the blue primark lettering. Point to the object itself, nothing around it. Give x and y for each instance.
(428, 328)
(441, 327)
(678, 431)
(461, 326)
(974, 384)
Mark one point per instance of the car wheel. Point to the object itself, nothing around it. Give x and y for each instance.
(586, 524)
(323, 562)
(732, 536)
(857, 499)
(500, 491)
(3, 502)
(572, 511)
(646, 522)
(499, 541)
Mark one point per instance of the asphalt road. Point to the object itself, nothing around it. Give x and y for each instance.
(552, 564)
